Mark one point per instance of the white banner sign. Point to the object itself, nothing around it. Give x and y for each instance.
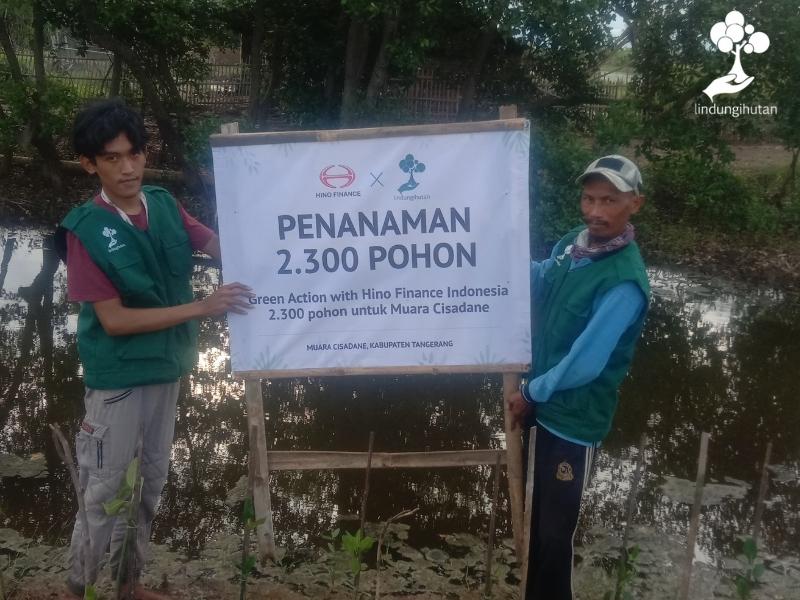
(378, 254)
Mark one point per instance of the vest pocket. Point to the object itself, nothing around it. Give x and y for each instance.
(131, 275)
(179, 256)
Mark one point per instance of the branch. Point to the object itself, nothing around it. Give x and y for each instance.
(65, 454)
(401, 515)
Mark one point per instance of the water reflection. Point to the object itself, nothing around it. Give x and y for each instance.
(713, 357)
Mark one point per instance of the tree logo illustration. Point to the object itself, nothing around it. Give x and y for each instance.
(410, 165)
(733, 36)
(110, 233)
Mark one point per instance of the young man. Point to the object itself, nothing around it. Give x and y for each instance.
(589, 303)
(129, 264)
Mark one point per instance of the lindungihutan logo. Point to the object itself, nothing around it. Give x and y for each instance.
(734, 36)
(110, 233)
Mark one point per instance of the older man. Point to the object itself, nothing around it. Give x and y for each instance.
(589, 303)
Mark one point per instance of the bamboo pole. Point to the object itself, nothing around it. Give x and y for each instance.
(334, 135)
(262, 504)
(492, 524)
(694, 520)
(528, 520)
(762, 493)
(251, 477)
(406, 370)
(307, 460)
(365, 495)
(637, 475)
(514, 462)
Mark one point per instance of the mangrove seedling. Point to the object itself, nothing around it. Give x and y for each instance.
(248, 562)
(355, 547)
(626, 573)
(127, 502)
(749, 576)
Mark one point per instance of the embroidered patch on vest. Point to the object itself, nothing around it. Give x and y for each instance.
(564, 472)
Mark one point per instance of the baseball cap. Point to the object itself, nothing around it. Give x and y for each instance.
(620, 171)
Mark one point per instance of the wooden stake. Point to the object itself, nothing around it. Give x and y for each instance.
(366, 481)
(528, 511)
(637, 475)
(694, 521)
(252, 468)
(508, 111)
(514, 462)
(762, 493)
(262, 504)
(492, 523)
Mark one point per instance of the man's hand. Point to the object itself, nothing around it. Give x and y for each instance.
(518, 407)
(231, 297)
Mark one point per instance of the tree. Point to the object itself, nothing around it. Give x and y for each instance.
(161, 43)
(31, 101)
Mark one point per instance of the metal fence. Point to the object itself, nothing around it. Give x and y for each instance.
(432, 97)
(223, 86)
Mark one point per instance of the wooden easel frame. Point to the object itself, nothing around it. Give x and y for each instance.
(262, 460)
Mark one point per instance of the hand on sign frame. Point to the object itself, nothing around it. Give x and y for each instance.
(231, 297)
(518, 407)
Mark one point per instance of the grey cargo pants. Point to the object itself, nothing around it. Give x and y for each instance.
(106, 444)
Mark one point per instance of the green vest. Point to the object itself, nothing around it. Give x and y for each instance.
(560, 315)
(149, 269)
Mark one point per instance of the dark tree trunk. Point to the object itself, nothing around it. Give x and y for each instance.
(161, 109)
(257, 61)
(276, 61)
(466, 108)
(8, 250)
(7, 150)
(39, 139)
(355, 58)
(788, 183)
(380, 70)
(116, 77)
(11, 55)
(38, 48)
(332, 75)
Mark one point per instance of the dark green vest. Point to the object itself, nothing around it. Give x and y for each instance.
(561, 314)
(149, 269)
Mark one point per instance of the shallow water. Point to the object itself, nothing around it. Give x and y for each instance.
(714, 356)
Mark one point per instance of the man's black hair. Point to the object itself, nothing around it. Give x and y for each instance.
(102, 121)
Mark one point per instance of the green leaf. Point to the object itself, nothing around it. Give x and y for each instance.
(130, 475)
(115, 506)
(749, 549)
(758, 571)
(355, 565)
(248, 564)
(365, 544)
(89, 593)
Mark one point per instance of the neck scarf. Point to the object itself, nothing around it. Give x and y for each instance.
(581, 249)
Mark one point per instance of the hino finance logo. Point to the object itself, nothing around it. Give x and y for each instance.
(734, 36)
(337, 176)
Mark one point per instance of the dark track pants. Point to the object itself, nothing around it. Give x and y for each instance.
(561, 472)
